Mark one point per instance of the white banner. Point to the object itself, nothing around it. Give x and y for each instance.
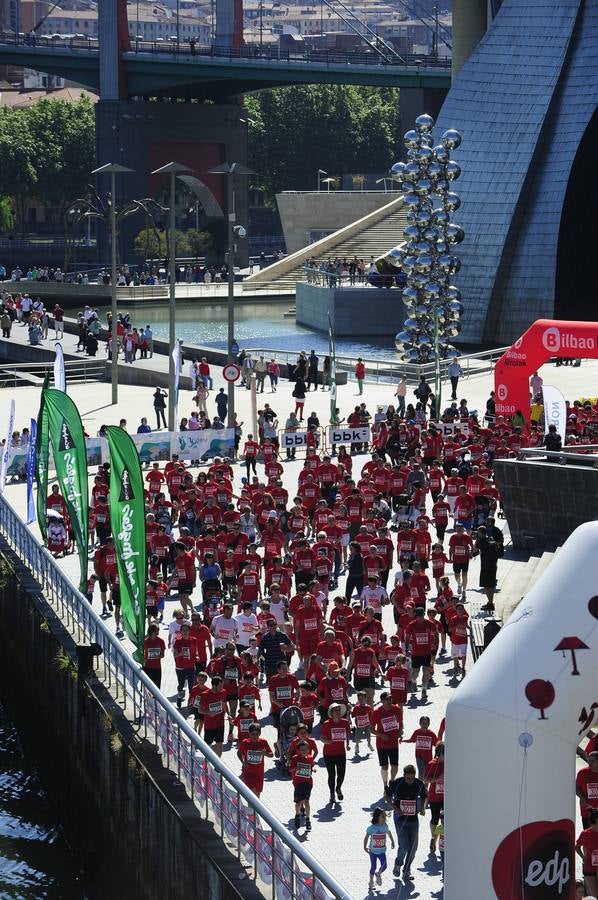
(448, 429)
(555, 409)
(204, 445)
(59, 373)
(293, 440)
(6, 448)
(340, 435)
(153, 447)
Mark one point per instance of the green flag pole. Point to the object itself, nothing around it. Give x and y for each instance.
(70, 459)
(127, 515)
(42, 452)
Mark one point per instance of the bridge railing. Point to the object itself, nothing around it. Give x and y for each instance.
(190, 48)
(279, 865)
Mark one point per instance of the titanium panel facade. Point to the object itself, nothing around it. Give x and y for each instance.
(522, 103)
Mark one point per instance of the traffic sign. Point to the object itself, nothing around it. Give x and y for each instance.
(231, 372)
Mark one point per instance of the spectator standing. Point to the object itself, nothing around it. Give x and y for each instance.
(204, 371)
(360, 373)
(222, 404)
(454, 372)
(260, 370)
(149, 337)
(160, 406)
(58, 320)
(400, 394)
(312, 371)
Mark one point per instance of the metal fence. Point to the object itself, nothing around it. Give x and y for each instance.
(79, 371)
(280, 866)
(390, 370)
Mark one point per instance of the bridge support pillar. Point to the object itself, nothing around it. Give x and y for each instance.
(415, 101)
(470, 20)
(146, 136)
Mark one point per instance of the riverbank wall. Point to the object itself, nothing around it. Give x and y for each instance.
(129, 821)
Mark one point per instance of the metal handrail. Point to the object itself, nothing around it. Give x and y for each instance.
(577, 453)
(251, 831)
(388, 370)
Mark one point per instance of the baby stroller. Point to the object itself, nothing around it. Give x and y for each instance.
(290, 719)
(212, 600)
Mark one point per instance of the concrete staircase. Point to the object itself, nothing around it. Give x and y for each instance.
(519, 579)
(371, 235)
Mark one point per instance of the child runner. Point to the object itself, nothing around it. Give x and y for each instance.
(374, 844)
(301, 766)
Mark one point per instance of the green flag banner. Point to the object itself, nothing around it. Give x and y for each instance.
(42, 451)
(127, 515)
(70, 460)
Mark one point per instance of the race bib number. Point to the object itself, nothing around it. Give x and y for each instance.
(378, 841)
(362, 669)
(303, 770)
(390, 724)
(283, 693)
(231, 674)
(362, 721)
(215, 708)
(244, 724)
(337, 693)
(338, 734)
(592, 791)
(254, 757)
(440, 788)
(407, 807)
(421, 639)
(310, 624)
(397, 684)
(594, 859)
(153, 653)
(423, 743)
(185, 653)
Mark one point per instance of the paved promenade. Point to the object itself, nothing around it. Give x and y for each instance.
(337, 835)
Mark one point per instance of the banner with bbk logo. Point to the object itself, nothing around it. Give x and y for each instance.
(70, 459)
(127, 515)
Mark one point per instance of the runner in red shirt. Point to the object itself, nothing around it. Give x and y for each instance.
(213, 706)
(397, 676)
(421, 637)
(307, 620)
(365, 667)
(154, 649)
(362, 714)
(434, 781)
(586, 788)
(252, 751)
(335, 735)
(301, 766)
(457, 625)
(184, 651)
(388, 728)
(184, 575)
(460, 552)
(587, 847)
(425, 741)
(250, 452)
(195, 695)
(283, 689)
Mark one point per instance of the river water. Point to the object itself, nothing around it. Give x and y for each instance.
(35, 860)
(256, 325)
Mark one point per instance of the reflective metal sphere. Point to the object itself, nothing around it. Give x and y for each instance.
(452, 201)
(423, 186)
(412, 231)
(430, 234)
(424, 263)
(440, 217)
(453, 294)
(435, 170)
(451, 139)
(403, 337)
(424, 123)
(453, 170)
(444, 263)
(408, 264)
(441, 154)
(410, 324)
(424, 155)
(454, 234)
(456, 306)
(412, 199)
(410, 294)
(397, 168)
(411, 139)
(423, 216)
(432, 290)
(441, 247)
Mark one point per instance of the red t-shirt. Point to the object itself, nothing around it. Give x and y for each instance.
(338, 733)
(588, 840)
(362, 715)
(425, 741)
(213, 706)
(252, 755)
(284, 688)
(435, 769)
(184, 651)
(301, 768)
(586, 783)
(420, 634)
(364, 662)
(459, 547)
(388, 725)
(398, 679)
(153, 652)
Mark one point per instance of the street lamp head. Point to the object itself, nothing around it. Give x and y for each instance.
(171, 168)
(234, 168)
(240, 231)
(112, 169)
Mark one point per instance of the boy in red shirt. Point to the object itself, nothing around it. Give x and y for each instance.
(301, 766)
(251, 752)
(213, 706)
(398, 678)
(199, 688)
(362, 714)
(425, 741)
(243, 721)
(388, 728)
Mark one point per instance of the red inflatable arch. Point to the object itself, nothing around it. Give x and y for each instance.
(543, 340)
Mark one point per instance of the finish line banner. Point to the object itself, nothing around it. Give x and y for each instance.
(204, 445)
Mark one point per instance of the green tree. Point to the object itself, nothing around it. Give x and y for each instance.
(200, 242)
(7, 219)
(18, 170)
(294, 131)
(150, 244)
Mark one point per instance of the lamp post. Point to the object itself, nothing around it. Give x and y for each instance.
(172, 169)
(230, 170)
(320, 172)
(113, 169)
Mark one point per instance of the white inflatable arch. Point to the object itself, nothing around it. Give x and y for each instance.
(512, 728)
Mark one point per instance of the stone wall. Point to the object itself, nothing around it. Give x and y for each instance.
(354, 312)
(302, 212)
(131, 825)
(545, 501)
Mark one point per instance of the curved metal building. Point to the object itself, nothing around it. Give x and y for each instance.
(525, 102)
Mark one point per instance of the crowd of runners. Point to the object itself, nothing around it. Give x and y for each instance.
(325, 611)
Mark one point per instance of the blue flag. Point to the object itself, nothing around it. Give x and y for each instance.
(31, 461)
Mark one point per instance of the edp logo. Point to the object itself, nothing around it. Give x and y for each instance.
(535, 862)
